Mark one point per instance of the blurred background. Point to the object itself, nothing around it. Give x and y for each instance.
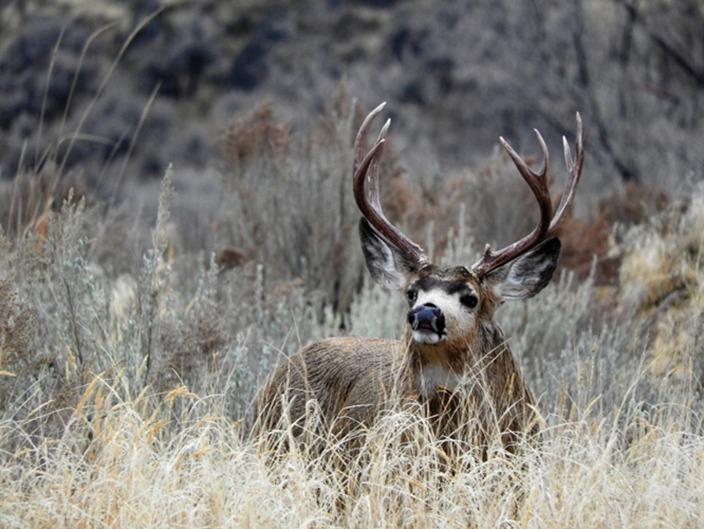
(170, 75)
(249, 242)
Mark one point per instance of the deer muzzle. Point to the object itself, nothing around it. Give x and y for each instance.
(427, 318)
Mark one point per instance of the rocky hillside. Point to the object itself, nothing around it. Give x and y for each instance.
(123, 88)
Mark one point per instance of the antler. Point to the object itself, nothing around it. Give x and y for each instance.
(538, 182)
(366, 190)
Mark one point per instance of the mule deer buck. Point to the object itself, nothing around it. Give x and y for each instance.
(450, 334)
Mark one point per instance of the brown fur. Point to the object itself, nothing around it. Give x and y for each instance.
(455, 365)
(354, 379)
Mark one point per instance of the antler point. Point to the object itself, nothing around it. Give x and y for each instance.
(384, 129)
(568, 153)
(507, 146)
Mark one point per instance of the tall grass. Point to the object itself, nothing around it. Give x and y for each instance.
(165, 461)
(128, 359)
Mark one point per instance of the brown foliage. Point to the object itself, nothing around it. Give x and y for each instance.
(18, 323)
(633, 205)
(230, 257)
(590, 238)
(586, 242)
(27, 202)
(254, 134)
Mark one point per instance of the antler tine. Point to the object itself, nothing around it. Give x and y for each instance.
(574, 168)
(384, 130)
(366, 191)
(373, 172)
(526, 172)
(548, 224)
(538, 183)
(361, 136)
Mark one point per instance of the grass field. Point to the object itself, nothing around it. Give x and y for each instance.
(123, 392)
(138, 316)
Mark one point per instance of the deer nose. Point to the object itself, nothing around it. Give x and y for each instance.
(427, 317)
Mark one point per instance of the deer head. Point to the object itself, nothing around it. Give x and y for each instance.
(447, 305)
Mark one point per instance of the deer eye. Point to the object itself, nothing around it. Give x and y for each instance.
(469, 300)
(412, 295)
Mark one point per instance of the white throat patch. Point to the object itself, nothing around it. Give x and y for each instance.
(430, 377)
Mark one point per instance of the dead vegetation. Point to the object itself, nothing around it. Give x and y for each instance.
(137, 320)
(118, 379)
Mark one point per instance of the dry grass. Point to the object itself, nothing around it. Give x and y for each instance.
(132, 340)
(128, 358)
(154, 462)
(661, 279)
(620, 445)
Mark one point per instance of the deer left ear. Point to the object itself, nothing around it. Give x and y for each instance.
(387, 266)
(529, 274)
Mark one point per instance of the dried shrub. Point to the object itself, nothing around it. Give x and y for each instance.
(289, 203)
(633, 204)
(660, 280)
(254, 135)
(231, 257)
(18, 355)
(589, 242)
(26, 201)
(586, 244)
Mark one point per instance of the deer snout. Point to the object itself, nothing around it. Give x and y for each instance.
(427, 317)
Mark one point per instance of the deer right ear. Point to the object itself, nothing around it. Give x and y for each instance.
(387, 266)
(529, 274)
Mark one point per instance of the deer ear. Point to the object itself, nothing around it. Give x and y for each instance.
(386, 265)
(529, 274)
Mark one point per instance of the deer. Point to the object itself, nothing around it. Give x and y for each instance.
(450, 335)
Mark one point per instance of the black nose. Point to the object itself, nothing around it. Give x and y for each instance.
(427, 317)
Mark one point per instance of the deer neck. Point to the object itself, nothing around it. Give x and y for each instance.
(483, 356)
